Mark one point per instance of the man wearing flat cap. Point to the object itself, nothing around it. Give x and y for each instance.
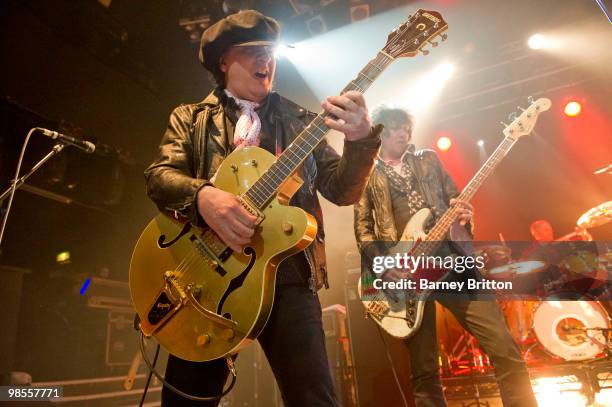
(243, 111)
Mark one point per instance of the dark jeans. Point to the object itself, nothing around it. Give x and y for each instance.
(294, 344)
(484, 320)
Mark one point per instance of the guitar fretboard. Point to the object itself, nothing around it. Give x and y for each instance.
(266, 187)
(439, 231)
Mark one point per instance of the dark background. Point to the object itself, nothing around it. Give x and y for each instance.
(113, 75)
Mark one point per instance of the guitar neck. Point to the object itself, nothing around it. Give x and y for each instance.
(439, 231)
(266, 187)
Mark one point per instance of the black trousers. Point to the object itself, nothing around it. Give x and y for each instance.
(484, 320)
(294, 344)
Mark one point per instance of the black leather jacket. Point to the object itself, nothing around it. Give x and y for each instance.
(375, 229)
(198, 138)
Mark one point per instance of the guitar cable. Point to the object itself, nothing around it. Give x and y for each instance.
(230, 365)
(397, 382)
(149, 376)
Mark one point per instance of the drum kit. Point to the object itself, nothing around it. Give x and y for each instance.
(549, 328)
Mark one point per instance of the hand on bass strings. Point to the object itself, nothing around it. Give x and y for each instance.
(464, 209)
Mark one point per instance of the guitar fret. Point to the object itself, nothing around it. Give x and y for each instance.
(303, 145)
(446, 220)
(355, 85)
(297, 145)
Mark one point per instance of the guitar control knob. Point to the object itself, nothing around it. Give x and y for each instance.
(234, 168)
(227, 334)
(287, 227)
(203, 340)
(254, 163)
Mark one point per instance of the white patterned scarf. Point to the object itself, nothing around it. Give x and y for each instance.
(248, 125)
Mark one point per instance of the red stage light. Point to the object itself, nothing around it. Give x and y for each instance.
(572, 109)
(443, 143)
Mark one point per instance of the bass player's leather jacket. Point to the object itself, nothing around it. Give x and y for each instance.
(197, 140)
(375, 229)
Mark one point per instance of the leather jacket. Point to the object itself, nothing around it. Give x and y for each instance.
(375, 229)
(197, 140)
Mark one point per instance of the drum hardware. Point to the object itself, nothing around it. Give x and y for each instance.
(597, 216)
(579, 234)
(603, 170)
(494, 255)
(517, 269)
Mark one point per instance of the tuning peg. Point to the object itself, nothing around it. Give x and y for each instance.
(512, 116)
(530, 99)
(520, 108)
(503, 124)
(425, 52)
(433, 43)
(444, 37)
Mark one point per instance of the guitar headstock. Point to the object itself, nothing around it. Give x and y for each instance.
(524, 124)
(416, 33)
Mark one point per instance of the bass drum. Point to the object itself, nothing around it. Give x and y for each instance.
(563, 328)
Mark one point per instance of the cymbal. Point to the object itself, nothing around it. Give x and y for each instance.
(597, 216)
(518, 269)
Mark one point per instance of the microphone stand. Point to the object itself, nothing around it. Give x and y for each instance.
(17, 182)
(56, 149)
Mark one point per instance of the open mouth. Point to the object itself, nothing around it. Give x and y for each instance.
(261, 74)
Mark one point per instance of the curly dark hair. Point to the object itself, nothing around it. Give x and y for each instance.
(391, 117)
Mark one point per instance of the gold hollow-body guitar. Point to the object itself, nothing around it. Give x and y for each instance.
(197, 297)
(402, 318)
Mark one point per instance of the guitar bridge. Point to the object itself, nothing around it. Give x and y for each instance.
(170, 299)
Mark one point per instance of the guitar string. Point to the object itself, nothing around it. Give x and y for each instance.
(265, 188)
(184, 269)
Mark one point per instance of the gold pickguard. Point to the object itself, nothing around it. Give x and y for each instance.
(284, 231)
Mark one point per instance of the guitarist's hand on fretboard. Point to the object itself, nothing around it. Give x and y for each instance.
(351, 115)
(225, 215)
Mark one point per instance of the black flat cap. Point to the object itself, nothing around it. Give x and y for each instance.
(247, 27)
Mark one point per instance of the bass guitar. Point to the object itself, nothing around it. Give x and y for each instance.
(401, 318)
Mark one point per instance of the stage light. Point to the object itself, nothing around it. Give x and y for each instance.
(572, 109)
(63, 257)
(558, 391)
(282, 50)
(537, 41)
(443, 143)
(421, 93)
(480, 143)
(359, 12)
(445, 71)
(316, 25)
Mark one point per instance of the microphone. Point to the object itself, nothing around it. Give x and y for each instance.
(83, 145)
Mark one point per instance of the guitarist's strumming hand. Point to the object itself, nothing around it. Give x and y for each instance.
(464, 209)
(351, 113)
(225, 215)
